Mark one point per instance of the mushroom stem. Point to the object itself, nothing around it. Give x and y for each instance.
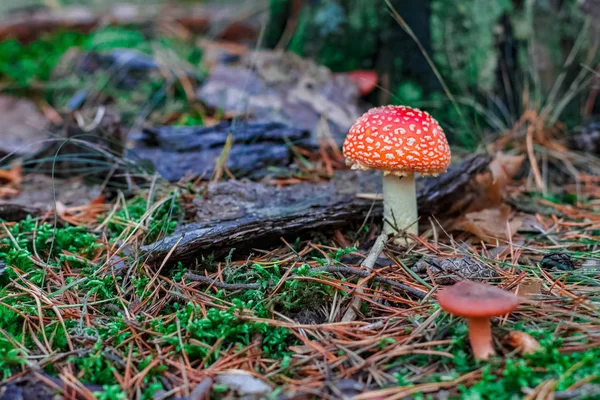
(480, 336)
(399, 204)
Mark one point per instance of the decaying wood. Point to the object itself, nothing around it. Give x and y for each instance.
(16, 212)
(229, 23)
(284, 87)
(178, 151)
(39, 386)
(238, 214)
(332, 269)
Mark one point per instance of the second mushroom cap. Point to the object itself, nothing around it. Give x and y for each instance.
(477, 300)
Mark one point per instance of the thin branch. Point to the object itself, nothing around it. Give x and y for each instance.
(333, 269)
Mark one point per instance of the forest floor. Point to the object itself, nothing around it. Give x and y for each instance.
(87, 311)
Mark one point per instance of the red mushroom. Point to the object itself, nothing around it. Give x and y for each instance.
(366, 80)
(478, 302)
(400, 141)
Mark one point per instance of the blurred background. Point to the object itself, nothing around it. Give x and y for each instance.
(485, 68)
(123, 123)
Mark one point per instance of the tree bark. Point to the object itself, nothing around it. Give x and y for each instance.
(242, 215)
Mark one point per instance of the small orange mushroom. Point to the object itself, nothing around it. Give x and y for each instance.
(478, 302)
(366, 80)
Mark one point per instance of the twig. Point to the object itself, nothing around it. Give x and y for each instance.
(365, 273)
(367, 265)
(221, 285)
(332, 269)
(378, 246)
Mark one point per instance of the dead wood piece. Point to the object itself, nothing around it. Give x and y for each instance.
(36, 385)
(449, 270)
(365, 273)
(333, 269)
(178, 151)
(13, 212)
(367, 264)
(588, 140)
(238, 214)
(283, 87)
(221, 285)
(239, 23)
(39, 193)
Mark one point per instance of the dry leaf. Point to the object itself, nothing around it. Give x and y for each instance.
(215, 51)
(492, 183)
(61, 209)
(23, 126)
(529, 287)
(243, 383)
(490, 224)
(523, 342)
(504, 167)
(10, 181)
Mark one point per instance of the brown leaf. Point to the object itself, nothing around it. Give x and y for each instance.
(529, 287)
(523, 342)
(493, 183)
(243, 383)
(10, 181)
(491, 224)
(23, 126)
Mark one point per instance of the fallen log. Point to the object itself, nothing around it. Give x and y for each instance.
(240, 215)
(236, 23)
(178, 151)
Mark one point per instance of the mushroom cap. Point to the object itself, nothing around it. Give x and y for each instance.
(399, 140)
(366, 80)
(477, 300)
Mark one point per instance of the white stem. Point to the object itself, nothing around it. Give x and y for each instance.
(399, 204)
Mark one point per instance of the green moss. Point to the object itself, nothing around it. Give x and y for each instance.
(163, 221)
(463, 41)
(33, 66)
(25, 64)
(330, 30)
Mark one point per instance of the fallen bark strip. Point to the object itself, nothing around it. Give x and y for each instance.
(178, 151)
(13, 212)
(346, 271)
(242, 215)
